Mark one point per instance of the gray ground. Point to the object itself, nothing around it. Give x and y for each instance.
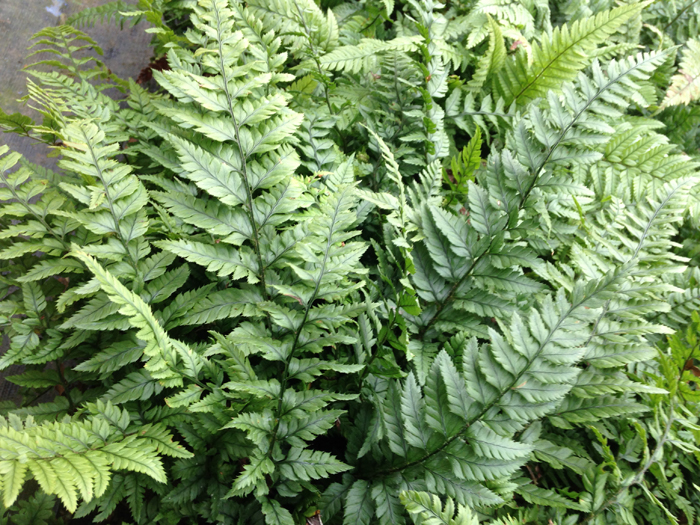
(126, 52)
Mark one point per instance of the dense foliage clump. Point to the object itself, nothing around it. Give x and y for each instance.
(358, 262)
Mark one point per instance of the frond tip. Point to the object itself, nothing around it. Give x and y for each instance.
(685, 85)
(427, 509)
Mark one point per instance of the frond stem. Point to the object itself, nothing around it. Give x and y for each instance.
(297, 334)
(110, 202)
(680, 13)
(512, 385)
(26, 206)
(244, 174)
(536, 174)
(315, 56)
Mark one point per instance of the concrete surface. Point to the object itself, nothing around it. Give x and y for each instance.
(126, 52)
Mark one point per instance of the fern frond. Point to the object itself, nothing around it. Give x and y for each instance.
(685, 85)
(200, 267)
(299, 22)
(109, 12)
(429, 510)
(492, 62)
(363, 56)
(74, 458)
(559, 57)
(161, 350)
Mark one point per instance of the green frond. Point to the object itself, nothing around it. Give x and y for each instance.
(492, 62)
(161, 350)
(102, 14)
(560, 56)
(74, 459)
(519, 345)
(363, 56)
(429, 510)
(300, 23)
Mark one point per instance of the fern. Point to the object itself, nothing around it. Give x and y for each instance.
(429, 510)
(109, 12)
(357, 262)
(492, 62)
(72, 458)
(560, 56)
(683, 88)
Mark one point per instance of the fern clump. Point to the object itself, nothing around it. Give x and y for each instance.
(357, 262)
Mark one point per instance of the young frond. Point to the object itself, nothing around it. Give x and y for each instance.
(368, 261)
(685, 85)
(560, 56)
(74, 459)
